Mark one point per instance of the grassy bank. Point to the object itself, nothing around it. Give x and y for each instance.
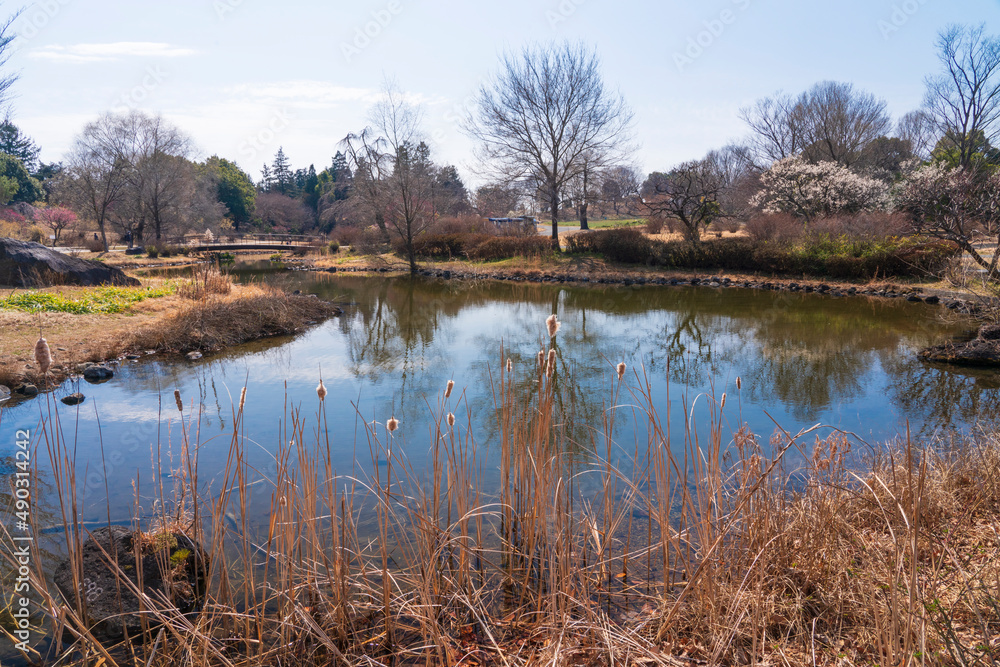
(715, 550)
(101, 324)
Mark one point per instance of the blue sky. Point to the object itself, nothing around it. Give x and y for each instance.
(243, 77)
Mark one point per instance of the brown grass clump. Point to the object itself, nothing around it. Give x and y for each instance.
(213, 323)
(207, 280)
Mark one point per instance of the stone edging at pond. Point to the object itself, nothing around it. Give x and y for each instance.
(915, 295)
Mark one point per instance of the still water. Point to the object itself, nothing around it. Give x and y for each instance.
(803, 359)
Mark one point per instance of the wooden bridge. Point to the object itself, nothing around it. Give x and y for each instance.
(276, 242)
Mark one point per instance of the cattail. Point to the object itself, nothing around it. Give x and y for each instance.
(739, 383)
(447, 391)
(722, 406)
(621, 370)
(510, 365)
(550, 368)
(321, 390)
(552, 324)
(451, 419)
(243, 398)
(392, 424)
(43, 355)
(541, 358)
(177, 399)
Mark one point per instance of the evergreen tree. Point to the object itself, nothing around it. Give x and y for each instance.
(281, 173)
(234, 189)
(16, 144)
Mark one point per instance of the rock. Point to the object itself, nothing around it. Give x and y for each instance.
(80, 368)
(172, 566)
(27, 390)
(984, 350)
(26, 264)
(913, 298)
(990, 332)
(137, 250)
(194, 355)
(933, 300)
(73, 399)
(4, 393)
(97, 374)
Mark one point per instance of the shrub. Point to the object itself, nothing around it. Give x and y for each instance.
(369, 241)
(504, 247)
(622, 244)
(776, 227)
(152, 252)
(93, 245)
(333, 247)
(654, 225)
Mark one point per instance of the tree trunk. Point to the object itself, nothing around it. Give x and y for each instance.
(554, 204)
(583, 215)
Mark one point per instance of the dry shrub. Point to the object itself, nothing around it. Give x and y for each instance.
(207, 280)
(654, 225)
(776, 227)
(504, 247)
(251, 313)
(867, 225)
(369, 241)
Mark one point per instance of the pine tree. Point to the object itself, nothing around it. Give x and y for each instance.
(281, 173)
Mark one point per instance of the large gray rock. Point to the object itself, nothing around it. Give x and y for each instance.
(171, 565)
(26, 264)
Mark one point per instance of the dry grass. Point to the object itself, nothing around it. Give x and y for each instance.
(217, 321)
(207, 280)
(713, 550)
(169, 324)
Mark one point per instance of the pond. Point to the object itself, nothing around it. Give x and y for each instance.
(801, 359)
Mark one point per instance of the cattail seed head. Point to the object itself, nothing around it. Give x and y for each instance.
(552, 324)
(739, 383)
(392, 424)
(43, 355)
(451, 419)
(621, 370)
(243, 398)
(177, 399)
(541, 358)
(447, 391)
(321, 391)
(510, 365)
(550, 368)
(722, 406)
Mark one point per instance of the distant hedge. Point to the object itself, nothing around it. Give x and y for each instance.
(836, 257)
(479, 247)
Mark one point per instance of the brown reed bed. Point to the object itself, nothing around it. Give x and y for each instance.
(710, 551)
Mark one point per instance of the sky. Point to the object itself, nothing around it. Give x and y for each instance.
(243, 77)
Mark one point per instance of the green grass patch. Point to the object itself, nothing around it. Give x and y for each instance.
(105, 300)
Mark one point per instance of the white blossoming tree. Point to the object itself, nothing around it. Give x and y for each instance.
(957, 205)
(812, 190)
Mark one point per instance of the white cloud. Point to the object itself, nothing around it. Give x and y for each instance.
(90, 53)
(303, 93)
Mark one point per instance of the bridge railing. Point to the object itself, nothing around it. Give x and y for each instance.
(291, 240)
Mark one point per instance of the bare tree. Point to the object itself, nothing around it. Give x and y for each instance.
(918, 129)
(840, 122)
(831, 122)
(393, 175)
(371, 164)
(620, 185)
(688, 193)
(543, 113)
(97, 176)
(497, 200)
(777, 128)
(964, 101)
